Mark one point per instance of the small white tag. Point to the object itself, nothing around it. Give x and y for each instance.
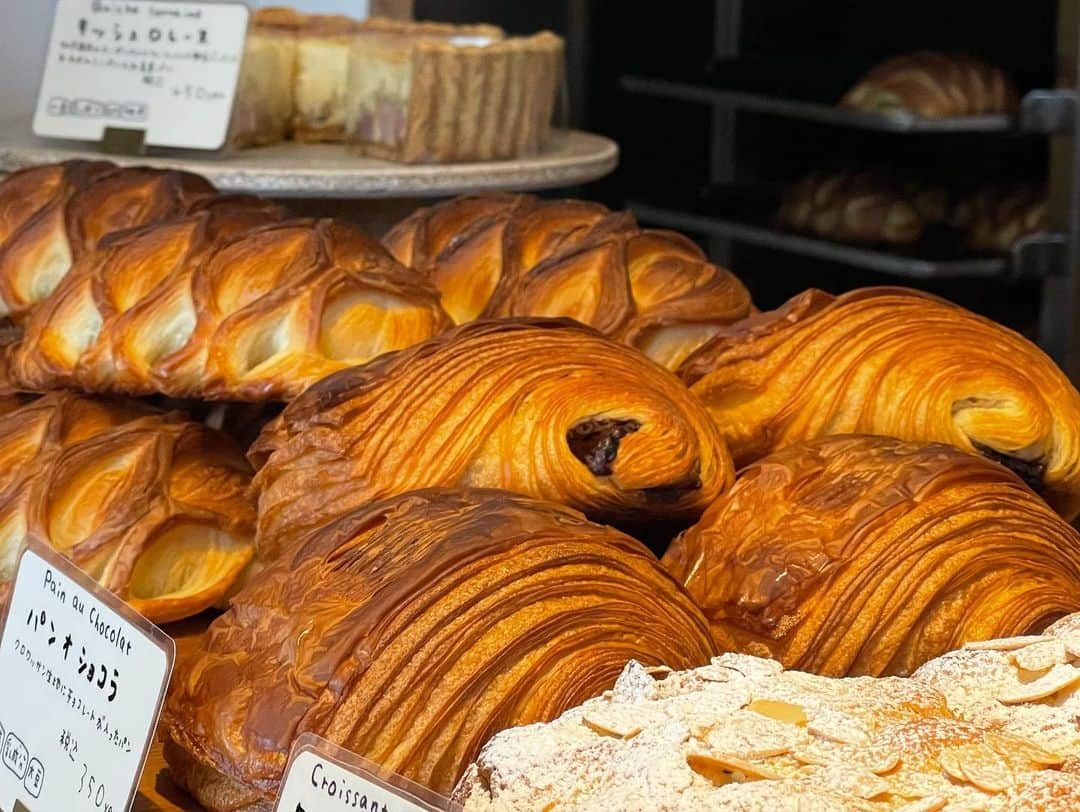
(321, 777)
(82, 681)
(475, 42)
(167, 68)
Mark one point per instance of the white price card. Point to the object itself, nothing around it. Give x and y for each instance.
(321, 777)
(165, 67)
(82, 681)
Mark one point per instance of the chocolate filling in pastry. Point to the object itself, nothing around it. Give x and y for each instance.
(596, 442)
(1031, 471)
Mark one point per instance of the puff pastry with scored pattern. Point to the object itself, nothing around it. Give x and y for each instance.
(413, 629)
(53, 215)
(934, 85)
(152, 506)
(868, 555)
(543, 407)
(893, 362)
(515, 255)
(231, 303)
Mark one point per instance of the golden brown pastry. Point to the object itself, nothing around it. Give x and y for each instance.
(516, 255)
(263, 111)
(152, 506)
(867, 555)
(411, 631)
(228, 303)
(995, 217)
(898, 363)
(934, 85)
(51, 216)
(545, 408)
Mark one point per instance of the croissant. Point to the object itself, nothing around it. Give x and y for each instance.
(546, 408)
(868, 555)
(934, 85)
(893, 362)
(230, 302)
(515, 255)
(50, 216)
(995, 217)
(152, 506)
(412, 630)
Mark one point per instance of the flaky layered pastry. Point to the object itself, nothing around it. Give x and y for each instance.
(898, 363)
(934, 85)
(410, 632)
(53, 215)
(542, 407)
(868, 555)
(231, 302)
(742, 734)
(515, 255)
(152, 506)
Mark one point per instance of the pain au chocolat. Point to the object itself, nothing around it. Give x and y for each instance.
(412, 630)
(898, 363)
(231, 302)
(543, 407)
(868, 555)
(516, 255)
(152, 506)
(52, 215)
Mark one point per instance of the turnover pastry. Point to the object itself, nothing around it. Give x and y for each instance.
(541, 407)
(934, 85)
(231, 302)
(868, 555)
(51, 216)
(516, 255)
(152, 506)
(412, 630)
(893, 362)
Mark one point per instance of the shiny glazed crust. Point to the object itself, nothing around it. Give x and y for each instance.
(412, 630)
(541, 407)
(516, 255)
(898, 363)
(232, 302)
(867, 555)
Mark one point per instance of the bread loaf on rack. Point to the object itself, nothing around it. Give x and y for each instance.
(231, 302)
(893, 362)
(516, 255)
(53, 215)
(541, 407)
(412, 630)
(934, 85)
(995, 217)
(152, 506)
(868, 555)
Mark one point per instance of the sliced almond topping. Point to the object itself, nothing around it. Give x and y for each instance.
(781, 711)
(1040, 656)
(880, 760)
(839, 728)
(868, 786)
(713, 673)
(725, 769)
(931, 803)
(621, 726)
(1004, 643)
(983, 767)
(952, 765)
(1071, 641)
(1058, 678)
(1015, 749)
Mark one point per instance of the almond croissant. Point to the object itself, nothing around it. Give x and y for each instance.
(546, 408)
(410, 632)
(898, 363)
(230, 302)
(516, 255)
(154, 507)
(52, 215)
(868, 555)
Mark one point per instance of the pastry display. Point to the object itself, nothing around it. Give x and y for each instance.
(868, 555)
(263, 110)
(438, 93)
(52, 215)
(323, 42)
(517, 255)
(995, 217)
(545, 408)
(152, 506)
(412, 630)
(934, 85)
(893, 362)
(743, 734)
(231, 302)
